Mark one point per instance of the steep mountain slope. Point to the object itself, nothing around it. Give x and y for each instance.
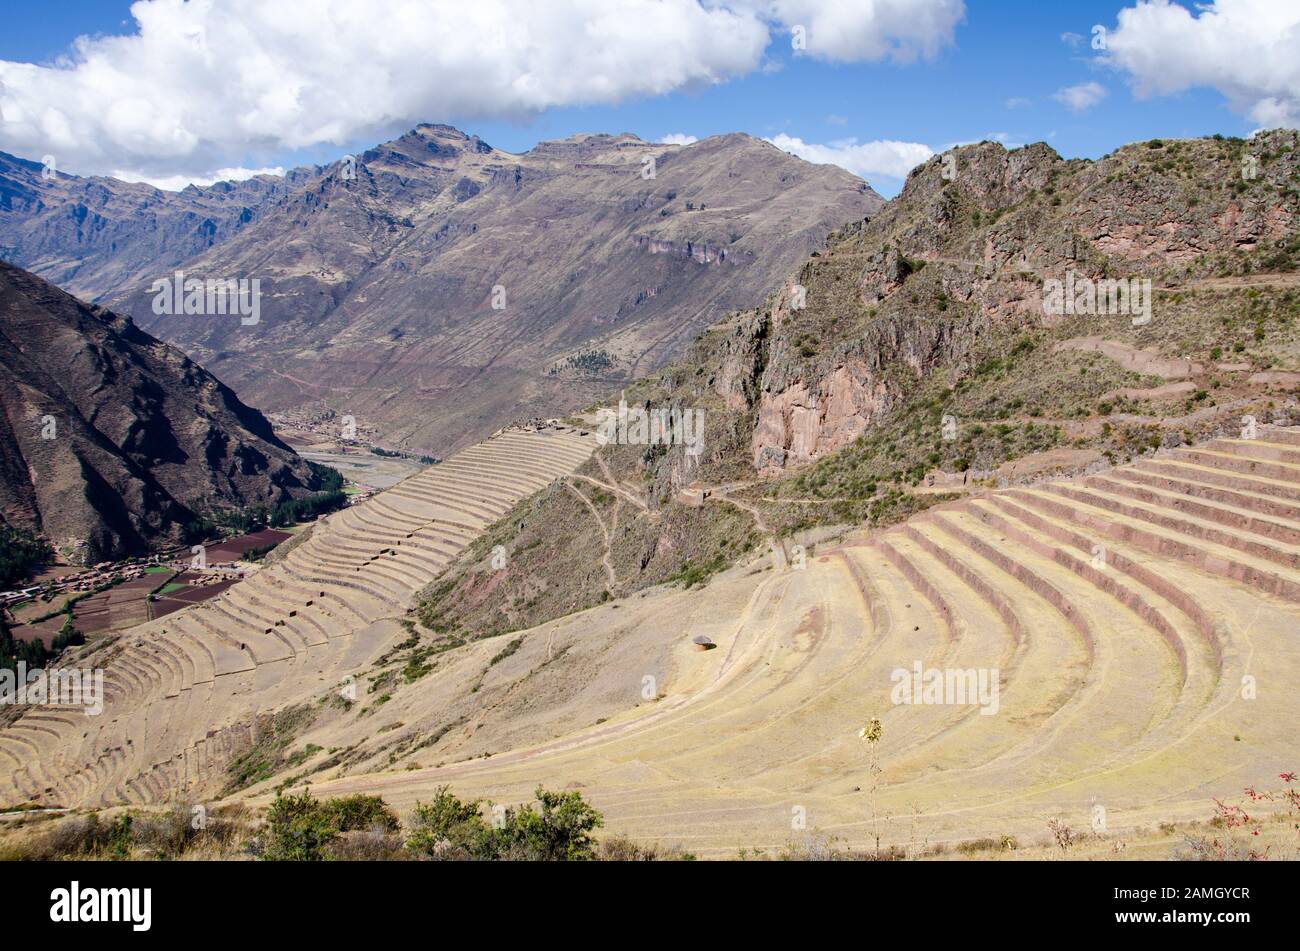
(436, 287)
(932, 312)
(89, 235)
(109, 439)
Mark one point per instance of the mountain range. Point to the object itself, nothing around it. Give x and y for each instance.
(434, 287)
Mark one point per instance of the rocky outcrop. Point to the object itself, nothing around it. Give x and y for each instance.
(811, 407)
(739, 356)
(968, 246)
(803, 421)
(698, 251)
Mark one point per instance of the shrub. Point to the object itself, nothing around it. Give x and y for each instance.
(297, 830)
(619, 848)
(368, 845)
(558, 831)
(303, 829)
(119, 837)
(77, 837)
(506, 651)
(358, 813)
(447, 828)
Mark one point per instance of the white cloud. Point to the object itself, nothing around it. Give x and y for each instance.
(854, 30)
(1018, 102)
(202, 85)
(1249, 50)
(1071, 39)
(678, 138)
(836, 120)
(864, 159)
(174, 183)
(1081, 97)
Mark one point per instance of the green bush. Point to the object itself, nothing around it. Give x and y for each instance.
(447, 828)
(560, 831)
(557, 829)
(302, 828)
(297, 830)
(359, 813)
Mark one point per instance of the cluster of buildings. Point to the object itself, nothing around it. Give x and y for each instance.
(106, 572)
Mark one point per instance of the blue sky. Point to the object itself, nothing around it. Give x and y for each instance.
(1006, 49)
(1001, 77)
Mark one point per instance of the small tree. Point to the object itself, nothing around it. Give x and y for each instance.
(447, 828)
(559, 832)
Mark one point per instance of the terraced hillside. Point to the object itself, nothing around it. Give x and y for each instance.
(1141, 623)
(183, 694)
(828, 405)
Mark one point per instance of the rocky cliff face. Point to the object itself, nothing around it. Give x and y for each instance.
(966, 248)
(430, 287)
(110, 440)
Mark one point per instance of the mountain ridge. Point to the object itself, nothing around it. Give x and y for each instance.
(379, 273)
(112, 441)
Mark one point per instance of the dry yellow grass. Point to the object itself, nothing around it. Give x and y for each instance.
(1141, 623)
